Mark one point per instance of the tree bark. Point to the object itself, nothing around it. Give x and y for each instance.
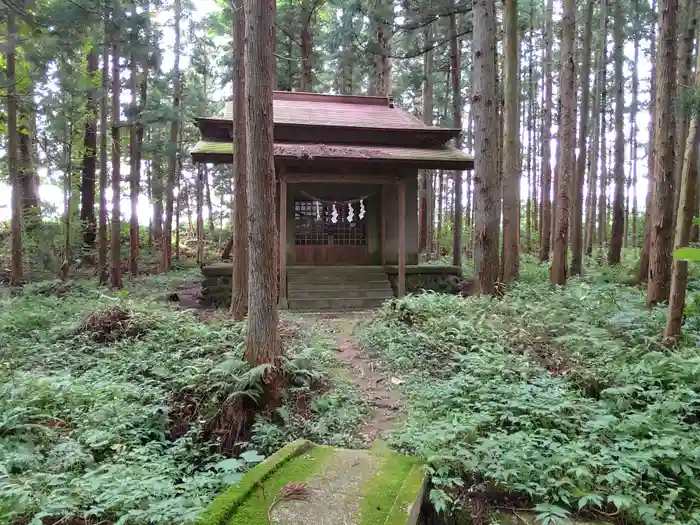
(577, 204)
(618, 219)
(115, 270)
(424, 233)
(134, 160)
(686, 209)
(104, 173)
(457, 124)
(679, 279)
(511, 145)
(603, 177)
(688, 24)
(306, 79)
(348, 57)
(566, 141)
(659, 282)
(166, 250)
(546, 202)
(16, 270)
(486, 183)
(383, 16)
(239, 298)
(262, 344)
(633, 118)
(651, 164)
(157, 186)
(89, 168)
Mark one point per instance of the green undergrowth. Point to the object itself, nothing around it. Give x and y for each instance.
(111, 403)
(557, 399)
(322, 411)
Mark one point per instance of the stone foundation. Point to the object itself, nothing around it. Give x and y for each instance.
(442, 279)
(216, 286)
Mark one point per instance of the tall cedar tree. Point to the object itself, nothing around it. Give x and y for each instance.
(262, 345)
(239, 299)
(686, 208)
(688, 23)
(634, 108)
(546, 202)
(134, 160)
(12, 153)
(618, 219)
(662, 191)
(593, 164)
(104, 173)
(173, 154)
(424, 207)
(457, 124)
(566, 139)
(577, 201)
(115, 269)
(87, 181)
(511, 146)
(651, 160)
(486, 183)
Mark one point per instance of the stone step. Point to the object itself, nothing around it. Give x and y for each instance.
(336, 304)
(340, 286)
(334, 293)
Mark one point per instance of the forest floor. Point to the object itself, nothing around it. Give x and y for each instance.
(112, 405)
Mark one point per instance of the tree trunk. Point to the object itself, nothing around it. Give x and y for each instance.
(134, 160)
(28, 177)
(348, 57)
(651, 164)
(486, 183)
(87, 182)
(633, 118)
(157, 185)
(262, 344)
(16, 270)
(104, 173)
(603, 177)
(679, 279)
(239, 299)
(306, 79)
(166, 251)
(546, 202)
(383, 17)
(457, 124)
(426, 176)
(566, 141)
(688, 23)
(115, 270)
(577, 204)
(686, 209)
(511, 145)
(662, 188)
(438, 240)
(618, 219)
(67, 201)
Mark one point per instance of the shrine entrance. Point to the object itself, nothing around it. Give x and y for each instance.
(330, 232)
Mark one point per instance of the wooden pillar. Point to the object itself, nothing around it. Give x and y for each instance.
(283, 303)
(401, 284)
(382, 225)
(457, 226)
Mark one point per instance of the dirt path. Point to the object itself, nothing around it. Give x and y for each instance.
(375, 384)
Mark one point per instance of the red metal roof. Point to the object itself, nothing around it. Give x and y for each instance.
(350, 111)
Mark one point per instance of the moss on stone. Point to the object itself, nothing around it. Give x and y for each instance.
(408, 501)
(223, 507)
(381, 491)
(253, 511)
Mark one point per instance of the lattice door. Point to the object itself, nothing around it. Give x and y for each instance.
(319, 240)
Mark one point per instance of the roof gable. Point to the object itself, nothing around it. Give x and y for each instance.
(346, 111)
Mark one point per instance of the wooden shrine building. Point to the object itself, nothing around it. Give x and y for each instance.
(347, 170)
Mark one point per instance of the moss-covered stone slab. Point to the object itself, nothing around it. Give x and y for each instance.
(339, 486)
